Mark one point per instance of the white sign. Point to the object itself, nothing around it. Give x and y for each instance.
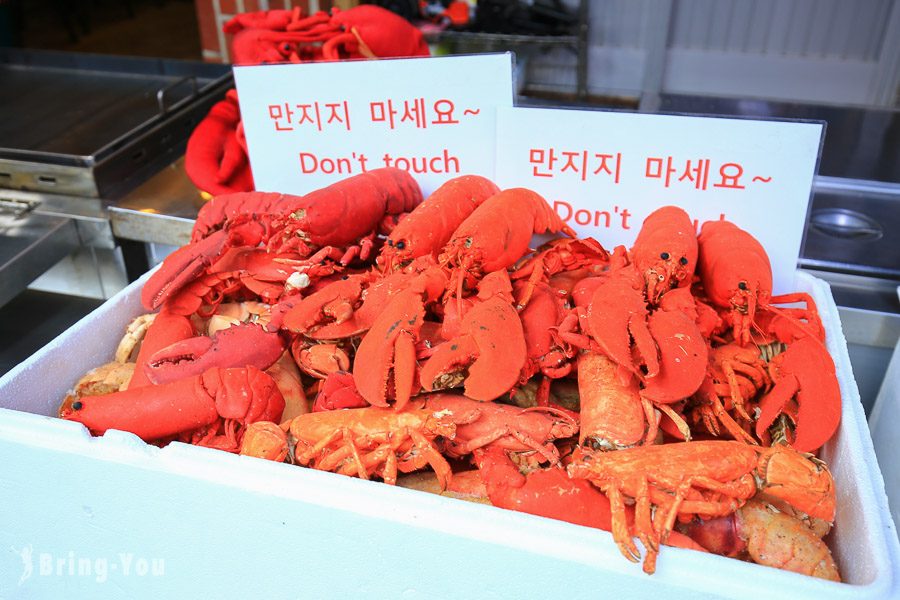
(604, 172)
(311, 124)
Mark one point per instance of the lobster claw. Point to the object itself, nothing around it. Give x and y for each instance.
(387, 353)
(683, 356)
(337, 391)
(319, 360)
(167, 328)
(798, 480)
(804, 372)
(244, 344)
(330, 308)
(244, 395)
(617, 315)
(490, 350)
(180, 268)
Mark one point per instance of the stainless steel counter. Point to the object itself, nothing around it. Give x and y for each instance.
(160, 211)
(32, 244)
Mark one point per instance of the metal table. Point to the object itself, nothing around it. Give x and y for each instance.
(77, 132)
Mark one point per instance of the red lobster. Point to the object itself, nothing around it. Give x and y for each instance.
(219, 398)
(216, 155)
(497, 234)
(736, 276)
(428, 228)
(489, 351)
(286, 36)
(338, 215)
(637, 326)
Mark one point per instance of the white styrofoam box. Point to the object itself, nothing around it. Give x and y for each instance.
(884, 424)
(112, 515)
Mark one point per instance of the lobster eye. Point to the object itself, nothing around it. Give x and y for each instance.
(401, 245)
(390, 242)
(683, 260)
(77, 405)
(742, 285)
(664, 256)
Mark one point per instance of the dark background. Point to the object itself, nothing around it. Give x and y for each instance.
(161, 28)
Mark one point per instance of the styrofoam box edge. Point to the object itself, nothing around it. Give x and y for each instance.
(527, 556)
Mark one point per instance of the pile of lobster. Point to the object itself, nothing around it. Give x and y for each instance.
(659, 392)
(216, 156)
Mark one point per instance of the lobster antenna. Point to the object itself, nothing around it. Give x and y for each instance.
(552, 411)
(803, 327)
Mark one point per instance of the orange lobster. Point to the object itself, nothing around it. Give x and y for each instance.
(551, 493)
(365, 441)
(495, 425)
(769, 537)
(706, 479)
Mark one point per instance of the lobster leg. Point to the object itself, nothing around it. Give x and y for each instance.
(720, 415)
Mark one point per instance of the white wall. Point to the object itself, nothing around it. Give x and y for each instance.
(834, 51)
